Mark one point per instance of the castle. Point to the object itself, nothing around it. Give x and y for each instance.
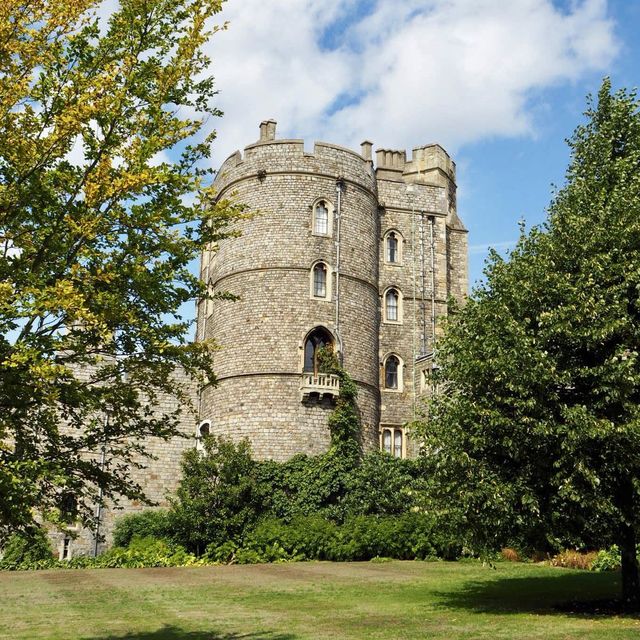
(336, 253)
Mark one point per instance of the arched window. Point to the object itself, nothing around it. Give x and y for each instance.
(393, 247)
(392, 441)
(392, 306)
(202, 432)
(391, 373)
(320, 282)
(321, 218)
(397, 443)
(318, 338)
(386, 441)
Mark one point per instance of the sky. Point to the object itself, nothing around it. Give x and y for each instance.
(499, 84)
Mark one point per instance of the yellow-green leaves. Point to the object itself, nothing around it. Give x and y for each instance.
(102, 233)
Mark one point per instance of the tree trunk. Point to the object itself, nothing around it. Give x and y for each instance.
(630, 574)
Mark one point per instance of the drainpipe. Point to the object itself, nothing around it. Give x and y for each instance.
(98, 513)
(432, 222)
(339, 190)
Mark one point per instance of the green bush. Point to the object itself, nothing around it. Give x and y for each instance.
(218, 498)
(145, 552)
(148, 523)
(141, 552)
(404, 537)
(31, 548)
(304, 538)
(607, 559)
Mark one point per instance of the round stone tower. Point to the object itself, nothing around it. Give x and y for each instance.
(305, 269)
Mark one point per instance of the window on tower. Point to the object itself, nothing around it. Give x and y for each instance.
(392, 441)
(393, 247)
(321, 224)
(320, 281)
(393, 305)
(392, 373)
(322, 219)
(318, 339)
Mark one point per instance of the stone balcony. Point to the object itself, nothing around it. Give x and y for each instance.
(319, 385)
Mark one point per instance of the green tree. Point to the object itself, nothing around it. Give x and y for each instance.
(98, 227)
(535, 434)
(219, 498)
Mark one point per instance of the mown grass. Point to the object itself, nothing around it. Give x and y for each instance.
(308, 600)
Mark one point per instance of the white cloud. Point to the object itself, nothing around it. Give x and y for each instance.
(411, 72)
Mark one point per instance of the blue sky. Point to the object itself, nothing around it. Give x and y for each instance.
(500, 85)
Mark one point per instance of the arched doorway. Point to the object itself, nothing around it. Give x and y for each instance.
(316, 339)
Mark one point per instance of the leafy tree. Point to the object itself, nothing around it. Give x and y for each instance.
(98, 226)
(536, 432)
(218, 498)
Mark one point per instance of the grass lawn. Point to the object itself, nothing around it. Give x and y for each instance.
(308, 600)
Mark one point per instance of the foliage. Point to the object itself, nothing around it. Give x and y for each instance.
(510, 555)
(572, 559)
(385, 485)
(218, 498)
(145, 552)
(150, 523)
(103, 207)
(610, 559)
(141, 552)
(536, 433)
(607, 559)
(26, 548)
(406, 537)
(344, 422)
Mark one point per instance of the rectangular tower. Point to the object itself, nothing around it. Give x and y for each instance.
(422, 264)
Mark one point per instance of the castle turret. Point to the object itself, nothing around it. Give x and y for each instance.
(305, 269)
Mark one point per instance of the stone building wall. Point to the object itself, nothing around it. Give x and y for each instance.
(159, 478)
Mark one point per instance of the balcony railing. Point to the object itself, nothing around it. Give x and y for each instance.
(322, 384)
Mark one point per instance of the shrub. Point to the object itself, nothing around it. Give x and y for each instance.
(30, 548)
(144, 552)
(218, 498)
(607, 559)
(407, 536)
(148, 523)
(311, 538)
(509, 554)
(572, 559)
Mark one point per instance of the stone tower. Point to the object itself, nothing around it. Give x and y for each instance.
(335, 254)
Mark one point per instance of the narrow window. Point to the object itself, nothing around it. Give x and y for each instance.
(392, 247)
(391, 305)
(320, 280)
(321, 219)
(386, 441)
(66, 548)
(391, 372)
(397, 443)
(204, 430)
